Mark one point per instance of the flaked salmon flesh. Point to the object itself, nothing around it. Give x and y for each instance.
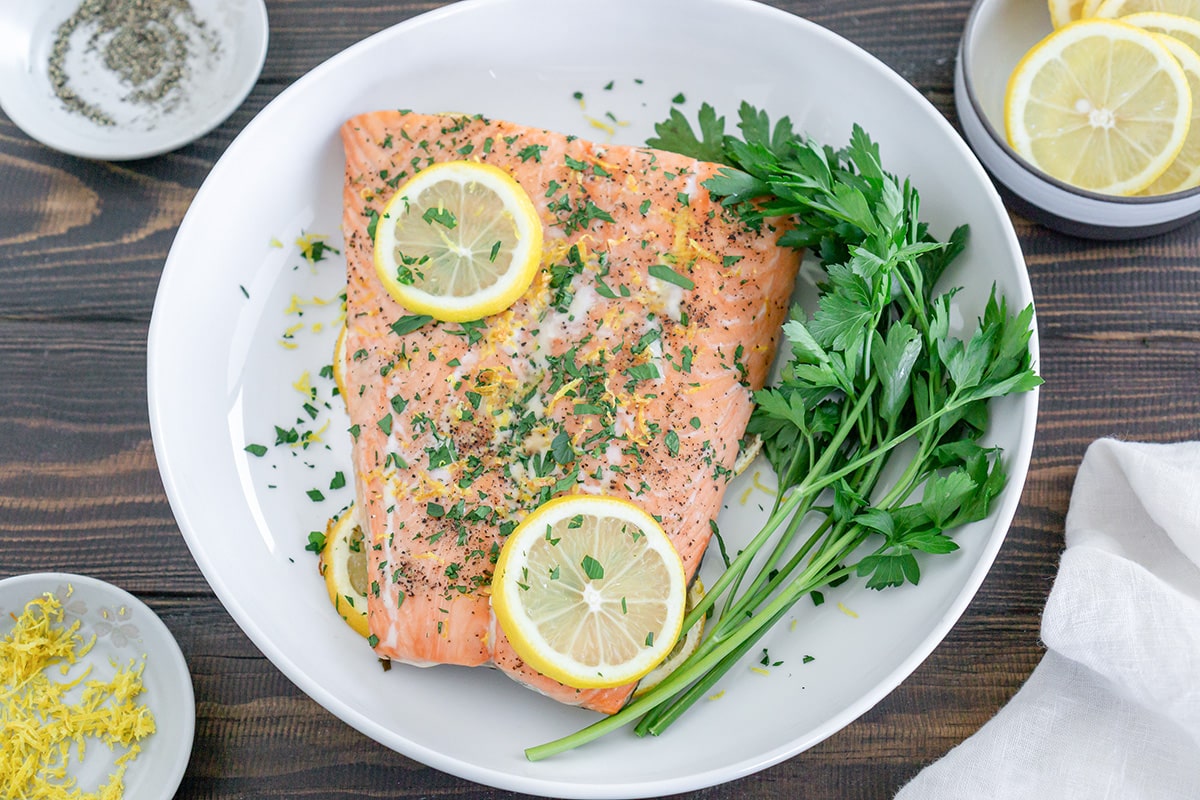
(626, 369)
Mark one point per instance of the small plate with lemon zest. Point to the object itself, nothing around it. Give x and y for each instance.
(97, 698)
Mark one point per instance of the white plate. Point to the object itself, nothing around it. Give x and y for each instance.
(213, 88)
(220, 379)
(125, 628)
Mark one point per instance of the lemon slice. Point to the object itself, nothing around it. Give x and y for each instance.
(1119, 8)
(1184, 172)
(1099, 104)
(590, 591)
(344, 567)
(1064, 11)
(1185, 29)
(1090, 7)
(459, 241)
(339, 363)
(687, 644)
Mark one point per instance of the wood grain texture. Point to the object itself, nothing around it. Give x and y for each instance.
(82, 246)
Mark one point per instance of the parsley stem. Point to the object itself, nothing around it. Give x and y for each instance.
(739, 565)
(663, 716)
(760, 623)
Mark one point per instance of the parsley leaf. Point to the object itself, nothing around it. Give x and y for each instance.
(675, 134)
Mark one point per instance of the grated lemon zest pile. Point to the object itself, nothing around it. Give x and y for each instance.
(37, 724)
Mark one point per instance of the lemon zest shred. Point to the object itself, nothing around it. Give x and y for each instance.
(610, 166)
(847, 611)
(312, 437)
(762, 486)
(760, 670)
(601, 124)
(562, 392)
(717, 695)
(700, 250)
(297, 304)
(303, 384)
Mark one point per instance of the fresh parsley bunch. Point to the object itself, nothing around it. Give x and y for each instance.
(875, 386)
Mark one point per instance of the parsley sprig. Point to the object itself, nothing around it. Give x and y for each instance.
(876, 386)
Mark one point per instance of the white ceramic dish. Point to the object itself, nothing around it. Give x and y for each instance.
(997, 34)
(222, 375)
(125, 628)
(214, 87)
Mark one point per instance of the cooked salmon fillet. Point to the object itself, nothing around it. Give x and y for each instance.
(625, 369)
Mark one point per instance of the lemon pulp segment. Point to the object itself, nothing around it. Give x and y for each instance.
(687, 644)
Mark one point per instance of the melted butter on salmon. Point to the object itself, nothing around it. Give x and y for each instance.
(626, 369)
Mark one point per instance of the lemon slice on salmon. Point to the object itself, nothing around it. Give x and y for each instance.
(344, 567)
(459, 241)
(590, 591)
(1099, 104)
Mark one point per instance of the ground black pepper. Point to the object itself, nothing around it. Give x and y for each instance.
(146, 44)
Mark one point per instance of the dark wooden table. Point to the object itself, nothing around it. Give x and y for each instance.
(82, 246)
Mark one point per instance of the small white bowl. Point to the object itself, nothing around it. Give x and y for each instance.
(222, 70)
(997, 34)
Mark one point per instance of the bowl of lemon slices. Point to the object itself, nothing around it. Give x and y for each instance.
(1085, 112)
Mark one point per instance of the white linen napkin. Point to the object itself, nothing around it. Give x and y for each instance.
(1113, 709)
